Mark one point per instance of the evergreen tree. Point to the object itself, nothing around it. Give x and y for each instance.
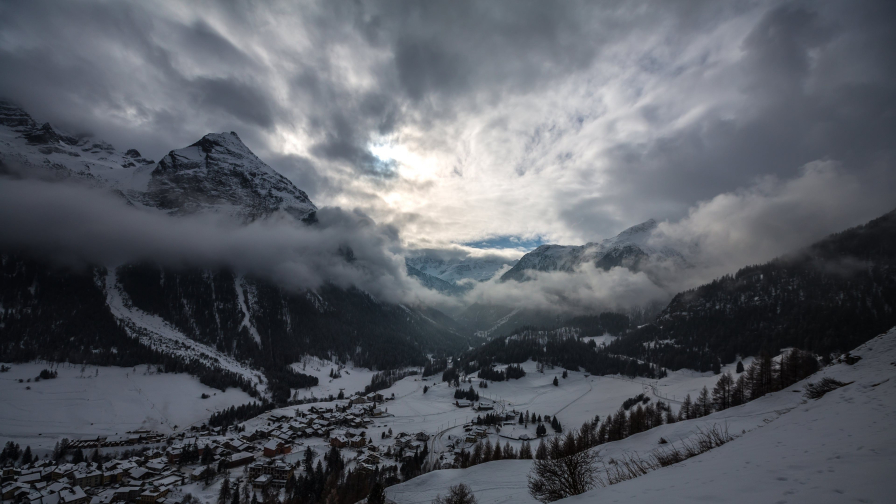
(722, 392)
(246, 489)
(556, 382)
(235, 493)
(541, 452)
(508, 452)
(526, 451)
(377, 494)
(26, 457)
(739, 392)
(740, 367)
(224, 493)
(704, 403)
(78, 457)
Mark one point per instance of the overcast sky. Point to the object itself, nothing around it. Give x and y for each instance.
(504, 124)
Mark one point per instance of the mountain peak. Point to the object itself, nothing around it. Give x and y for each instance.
(644, 227)
(12, 116)
(219, 173)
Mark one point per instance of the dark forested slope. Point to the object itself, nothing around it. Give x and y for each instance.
(830, 297)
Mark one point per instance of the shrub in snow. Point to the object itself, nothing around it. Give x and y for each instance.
(825, 385)
(458, 494)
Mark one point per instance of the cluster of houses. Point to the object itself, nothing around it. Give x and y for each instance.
(144, 479)
(168, 462)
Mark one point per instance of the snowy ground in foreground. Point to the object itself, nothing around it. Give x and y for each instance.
(113, 402)
(840, 448)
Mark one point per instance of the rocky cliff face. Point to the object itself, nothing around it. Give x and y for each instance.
(219, 174)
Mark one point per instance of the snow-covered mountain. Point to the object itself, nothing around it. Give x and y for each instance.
(44, 151)
(218, 174)
(229, 329)
(629, 249)
(454, 270)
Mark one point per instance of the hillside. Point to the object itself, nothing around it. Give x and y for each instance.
(826, 298)
(787, 449)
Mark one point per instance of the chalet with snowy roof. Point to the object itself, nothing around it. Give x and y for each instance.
(63, 471)
(236, 445)
(276, 447)
(240, 459)
(156, 465)
(29, 478)
(73, 495)
(8, 490)
(87, 479)
(152, 495)
(140, 473)
(201, 472)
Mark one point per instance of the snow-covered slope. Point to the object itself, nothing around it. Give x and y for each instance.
(102, 401)
(839, 448)
(43, 151)
(629, 249)
(157, 333)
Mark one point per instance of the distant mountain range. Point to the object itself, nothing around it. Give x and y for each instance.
(455, 270)
(629, 249)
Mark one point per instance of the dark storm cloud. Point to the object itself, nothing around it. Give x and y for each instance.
(77, 226)
(235, 98)
(805, 98)
(567, 120)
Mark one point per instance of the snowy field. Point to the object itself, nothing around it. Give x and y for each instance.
(576, 400)
(352, 379)
(101, 401)
(840, 448)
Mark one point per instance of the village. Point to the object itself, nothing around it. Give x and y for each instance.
(415, 425)
(263, 453)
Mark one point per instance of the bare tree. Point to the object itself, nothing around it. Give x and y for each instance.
(458, 494)
(557, 478)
